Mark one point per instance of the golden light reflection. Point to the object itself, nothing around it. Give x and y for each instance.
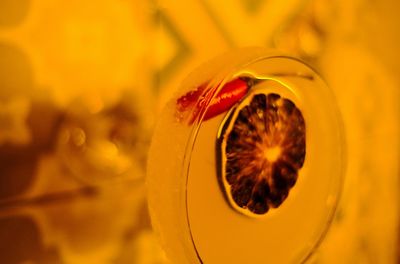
(81, 81)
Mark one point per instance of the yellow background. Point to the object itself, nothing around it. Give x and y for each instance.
(81, 83)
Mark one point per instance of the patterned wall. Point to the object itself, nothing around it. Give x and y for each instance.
(81, 83)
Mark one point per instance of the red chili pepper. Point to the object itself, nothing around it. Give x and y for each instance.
(194, 101)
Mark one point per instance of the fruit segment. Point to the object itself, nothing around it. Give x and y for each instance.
(193, 104)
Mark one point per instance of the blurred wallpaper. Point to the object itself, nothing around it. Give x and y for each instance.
(82, 82)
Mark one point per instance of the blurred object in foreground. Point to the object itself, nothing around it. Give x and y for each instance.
(82, 226)
(76, 112)
(104, 144)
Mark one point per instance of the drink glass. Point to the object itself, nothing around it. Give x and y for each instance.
(223, 190)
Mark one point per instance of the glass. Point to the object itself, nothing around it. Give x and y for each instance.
(193, 204)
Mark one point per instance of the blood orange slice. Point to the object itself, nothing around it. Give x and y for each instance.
(261, 148)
